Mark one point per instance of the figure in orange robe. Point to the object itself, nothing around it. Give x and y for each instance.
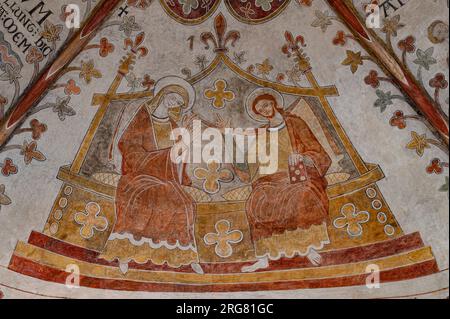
(155, 217)
(289, 216)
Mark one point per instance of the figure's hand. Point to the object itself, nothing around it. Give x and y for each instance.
(179, 153)
(188, 121)
(295, 159)
(222, 124)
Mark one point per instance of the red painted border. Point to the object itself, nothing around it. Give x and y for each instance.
(337, 257)
(32, 269)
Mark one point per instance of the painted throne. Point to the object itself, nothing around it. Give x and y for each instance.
(362, 229)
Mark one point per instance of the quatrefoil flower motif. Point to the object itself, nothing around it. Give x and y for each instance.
(219, 94)
(351, 220)
(136, 45)
(90, 220)
(223, 238)
(213, 177)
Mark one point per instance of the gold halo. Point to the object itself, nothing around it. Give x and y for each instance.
(258, 92)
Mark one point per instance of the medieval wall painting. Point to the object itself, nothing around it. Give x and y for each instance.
(94, 181)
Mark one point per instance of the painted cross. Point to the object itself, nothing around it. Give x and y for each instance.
(90, 220)
(223, 238)
(219, 94)
(123, 11)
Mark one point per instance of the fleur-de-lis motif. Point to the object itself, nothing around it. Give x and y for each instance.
(352, 220)
(219, 94)
(223, 37)
(51, 32)
(223, 238)
(90, 220)
(213, 176)
(293, 46)
(135, 46)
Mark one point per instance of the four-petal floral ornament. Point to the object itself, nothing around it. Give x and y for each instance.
(91, 220)
(30, 153)
(4, 199)
(223, 238)
(418, 143)
(61, 106)
(219, 95)
(213, 177)
(351, 220)
(264, 68)
(88, 71)
(247, 10)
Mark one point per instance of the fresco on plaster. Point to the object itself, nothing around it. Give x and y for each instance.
(126, 215)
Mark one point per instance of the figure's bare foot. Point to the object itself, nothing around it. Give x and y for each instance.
(262, 263)
(123, 267)
(197, 268)
(314, 257)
